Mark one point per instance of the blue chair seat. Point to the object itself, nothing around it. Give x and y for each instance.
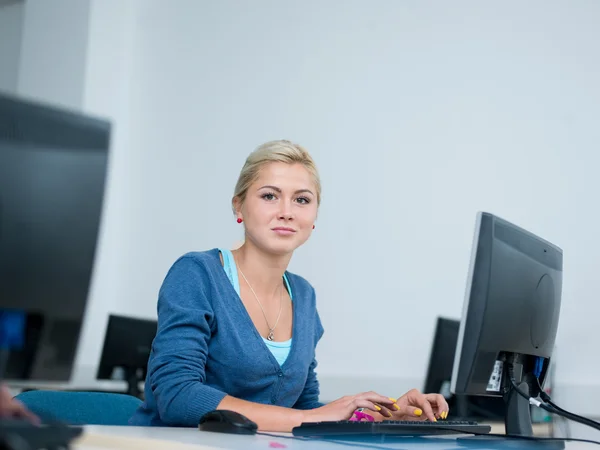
(81, 408)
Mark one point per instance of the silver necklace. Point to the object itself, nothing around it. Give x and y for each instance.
(270, 336)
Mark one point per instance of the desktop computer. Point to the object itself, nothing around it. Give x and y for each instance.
(510, 318)
(53, 166)
(506, 334)
(126, 350)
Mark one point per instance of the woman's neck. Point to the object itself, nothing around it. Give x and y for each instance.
(264, 271)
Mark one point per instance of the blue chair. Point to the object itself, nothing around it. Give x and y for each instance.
(81, 408)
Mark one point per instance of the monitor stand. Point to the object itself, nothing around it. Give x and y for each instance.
(133, 381)
(517, 420)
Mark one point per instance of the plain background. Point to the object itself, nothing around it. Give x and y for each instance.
(418, 114)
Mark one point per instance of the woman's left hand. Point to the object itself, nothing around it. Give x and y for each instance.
(417, 406)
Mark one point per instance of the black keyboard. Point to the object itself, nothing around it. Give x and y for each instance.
(18, 434)
(389, 427)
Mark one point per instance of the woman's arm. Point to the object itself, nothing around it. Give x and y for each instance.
(309, 399)
(176, 368)
(267, 417)
(275, 418)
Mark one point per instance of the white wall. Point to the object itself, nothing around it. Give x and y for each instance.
(53, 51)
(419, 114)
(108, 77)
(418, 117)
(11, 25)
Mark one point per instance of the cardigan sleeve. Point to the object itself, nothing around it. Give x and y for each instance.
(176, 368)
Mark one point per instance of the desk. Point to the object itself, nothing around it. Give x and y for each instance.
(140, 438)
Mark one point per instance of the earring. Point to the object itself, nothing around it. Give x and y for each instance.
(239, 220)
(313, 227)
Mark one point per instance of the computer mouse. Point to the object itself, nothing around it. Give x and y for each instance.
(226, 421)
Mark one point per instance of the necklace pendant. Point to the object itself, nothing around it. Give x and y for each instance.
(270, 337)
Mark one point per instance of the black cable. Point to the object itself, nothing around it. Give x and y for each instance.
(566, 414)
(544, 396)
(573, 417)
(550, 408)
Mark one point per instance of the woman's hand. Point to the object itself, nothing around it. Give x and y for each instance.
(416, 406)
(343, 408)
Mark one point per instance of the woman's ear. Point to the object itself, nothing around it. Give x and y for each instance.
(237, 207)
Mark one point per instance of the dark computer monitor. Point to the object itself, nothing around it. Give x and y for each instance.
(127, 346)
(439, 375)
(53, 165)
(510, 317)
(441, 360)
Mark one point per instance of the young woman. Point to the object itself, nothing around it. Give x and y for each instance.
(237, 331)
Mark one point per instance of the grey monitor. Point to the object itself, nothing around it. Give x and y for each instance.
(53, 165)
(510, 316)
(127, 346)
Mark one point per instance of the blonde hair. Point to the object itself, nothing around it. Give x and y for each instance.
(274, 151)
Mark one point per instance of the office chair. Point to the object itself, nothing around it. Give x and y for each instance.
(81, 408)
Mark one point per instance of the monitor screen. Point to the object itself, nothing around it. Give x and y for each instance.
(52, 178)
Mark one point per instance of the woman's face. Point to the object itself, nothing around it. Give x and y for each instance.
(280, 208)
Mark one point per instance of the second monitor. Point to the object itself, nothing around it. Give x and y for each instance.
(439, 374)
(127, 346)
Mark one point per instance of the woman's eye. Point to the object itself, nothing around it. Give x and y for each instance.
(269, 196)
(303, 200)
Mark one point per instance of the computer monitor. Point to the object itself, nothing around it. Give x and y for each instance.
(126, 350)
(439, 375)
(53, 165)
(510, 317)
(441, 359)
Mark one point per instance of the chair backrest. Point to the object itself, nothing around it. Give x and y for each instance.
(81, 408)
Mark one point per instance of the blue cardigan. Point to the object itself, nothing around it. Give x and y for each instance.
(206, 347)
